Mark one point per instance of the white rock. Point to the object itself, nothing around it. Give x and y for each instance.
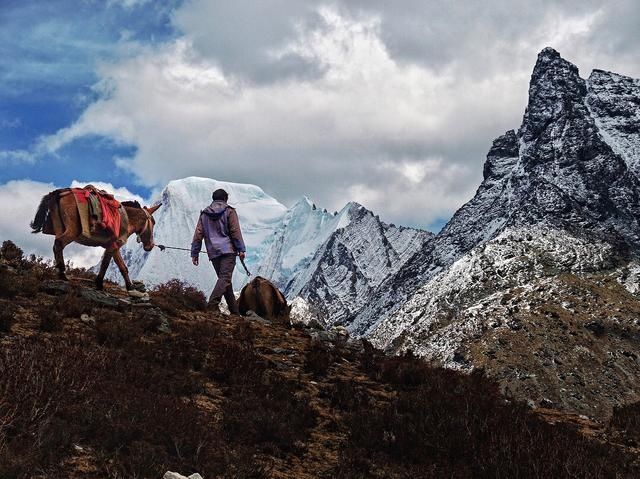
(175, 475)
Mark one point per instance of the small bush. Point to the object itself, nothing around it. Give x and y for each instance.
(28, 285)
(8, 285)
(233, 362)
(7, 317)
(349, 396)
(71, 305)
(402, 370)
(243, 332)
(10, 252)
(50, 321)
(318, 359)
(271, 416)
(116, 329)
(627, 420)
(175, 295)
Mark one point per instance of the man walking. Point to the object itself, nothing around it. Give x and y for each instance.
(219, 227)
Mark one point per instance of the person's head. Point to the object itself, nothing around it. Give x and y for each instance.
(220, 195)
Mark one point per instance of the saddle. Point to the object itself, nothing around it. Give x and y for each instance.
(104, 220)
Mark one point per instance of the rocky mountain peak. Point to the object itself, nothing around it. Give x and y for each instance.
(567, 168)
(555, 87)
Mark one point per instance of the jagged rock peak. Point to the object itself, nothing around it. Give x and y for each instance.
(353, 207)
(598, 75)
(550, 59)
(555, 85)
(501, 156)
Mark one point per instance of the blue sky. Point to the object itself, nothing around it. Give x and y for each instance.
(391, 104)
(49, 54)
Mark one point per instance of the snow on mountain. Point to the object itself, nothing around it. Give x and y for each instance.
(302, 230)
(614, 102)
(443, 313)
(182, 200)
(336, 262)
(535, 280)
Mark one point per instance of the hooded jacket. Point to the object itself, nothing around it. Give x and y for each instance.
(218, 225)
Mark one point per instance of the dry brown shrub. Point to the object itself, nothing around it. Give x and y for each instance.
(8, 285)
(7, 317)
(50, 320)
(175, 296)
(626, 419)
(319, 359)
(10, 252)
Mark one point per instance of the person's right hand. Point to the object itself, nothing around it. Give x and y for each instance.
(194, 260)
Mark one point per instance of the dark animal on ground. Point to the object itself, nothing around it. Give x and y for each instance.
(263, 298)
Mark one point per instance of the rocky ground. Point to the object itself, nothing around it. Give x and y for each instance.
(97, 385)
(553, 318)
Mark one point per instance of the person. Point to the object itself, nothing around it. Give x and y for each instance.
(219, 226)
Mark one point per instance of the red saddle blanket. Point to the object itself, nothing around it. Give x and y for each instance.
(109, 217)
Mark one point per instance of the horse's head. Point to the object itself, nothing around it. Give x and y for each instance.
(145, 235)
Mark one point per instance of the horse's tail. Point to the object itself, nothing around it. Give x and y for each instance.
(43, 211)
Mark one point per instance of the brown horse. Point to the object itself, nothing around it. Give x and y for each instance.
(263, 298)
(62, 204)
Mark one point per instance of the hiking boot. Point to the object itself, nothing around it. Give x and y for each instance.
(214, 306)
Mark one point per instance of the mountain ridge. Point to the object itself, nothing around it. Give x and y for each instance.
(556, 170)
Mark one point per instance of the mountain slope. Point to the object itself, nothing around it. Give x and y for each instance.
(614, 103)
(94, 384)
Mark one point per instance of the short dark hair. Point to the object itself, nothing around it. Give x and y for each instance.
(220, 194)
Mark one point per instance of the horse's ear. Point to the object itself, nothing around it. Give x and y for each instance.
(153, 209)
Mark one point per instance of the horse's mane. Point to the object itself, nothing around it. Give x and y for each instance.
(131, 204)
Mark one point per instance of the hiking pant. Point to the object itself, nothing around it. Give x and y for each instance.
(224, 266)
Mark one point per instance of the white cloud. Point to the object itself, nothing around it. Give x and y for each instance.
(356, 117)
(16, 156)
(20, 200)
(317, 137)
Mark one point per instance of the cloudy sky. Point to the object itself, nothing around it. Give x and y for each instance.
(392, 104)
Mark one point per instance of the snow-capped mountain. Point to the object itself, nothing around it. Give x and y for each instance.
(301, 232)
(182, 200)
(338, 261)
(569, 167)
(535, 280)
(335, 261)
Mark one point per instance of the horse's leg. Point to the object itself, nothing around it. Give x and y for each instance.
(117, 257)
(70, 223)
(58, 246)
(104, 264)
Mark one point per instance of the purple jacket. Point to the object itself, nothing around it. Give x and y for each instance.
(219, 227)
